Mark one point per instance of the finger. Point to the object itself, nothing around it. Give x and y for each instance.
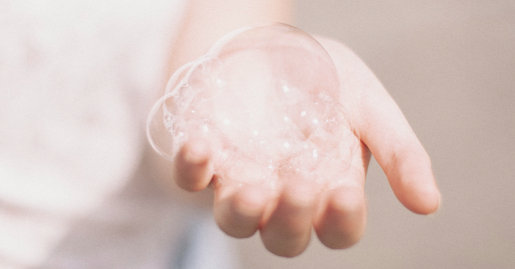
(398, 151)
(192, 168)
(342, 217)
(238, 209)
(287, 231)
(381, 125)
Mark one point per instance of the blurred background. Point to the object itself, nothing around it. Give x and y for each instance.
(450, 65)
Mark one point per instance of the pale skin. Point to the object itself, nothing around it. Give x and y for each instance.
(338, 215)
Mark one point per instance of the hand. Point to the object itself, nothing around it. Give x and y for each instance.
(338, 214)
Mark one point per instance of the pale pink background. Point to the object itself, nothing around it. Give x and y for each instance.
(450, 65)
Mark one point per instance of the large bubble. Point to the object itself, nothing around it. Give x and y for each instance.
(266, 99)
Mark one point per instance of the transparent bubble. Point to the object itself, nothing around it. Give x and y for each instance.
(266, 98)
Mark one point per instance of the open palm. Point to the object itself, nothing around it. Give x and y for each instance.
(336, 209)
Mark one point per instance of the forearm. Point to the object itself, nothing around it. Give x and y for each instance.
(207, 21)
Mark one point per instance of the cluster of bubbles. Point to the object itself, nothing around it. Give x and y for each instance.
(266, 99)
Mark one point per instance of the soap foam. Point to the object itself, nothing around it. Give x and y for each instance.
(266, 98)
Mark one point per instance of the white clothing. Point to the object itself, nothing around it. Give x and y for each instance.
(76, 81)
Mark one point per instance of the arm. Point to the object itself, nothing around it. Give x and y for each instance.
(208, 20)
